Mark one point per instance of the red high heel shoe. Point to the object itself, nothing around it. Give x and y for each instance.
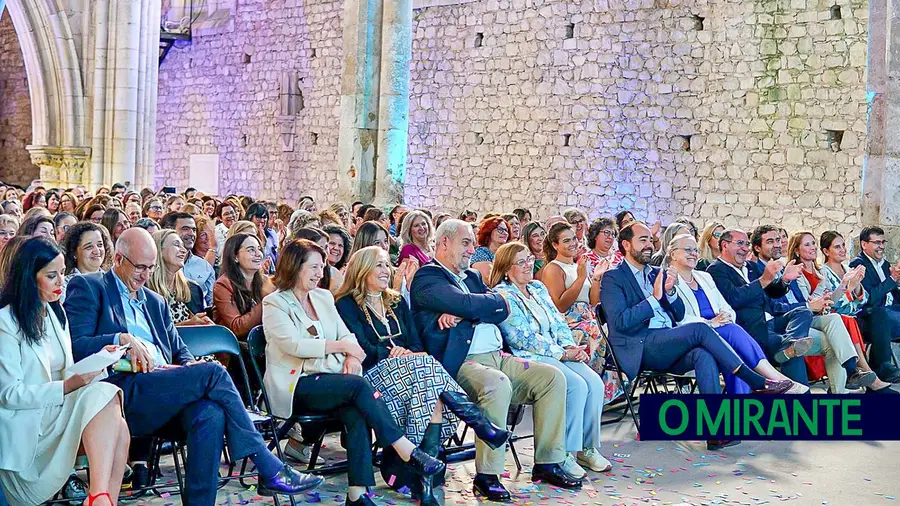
(92, 498)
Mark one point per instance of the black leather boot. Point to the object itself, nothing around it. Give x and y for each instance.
(468, 412)
(423, 489)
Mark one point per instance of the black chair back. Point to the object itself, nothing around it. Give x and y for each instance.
(204, 340)
(256, 341)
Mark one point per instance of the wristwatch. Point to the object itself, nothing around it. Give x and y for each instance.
(673, 292)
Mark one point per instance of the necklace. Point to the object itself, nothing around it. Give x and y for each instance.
(389, 313)
(688, 281)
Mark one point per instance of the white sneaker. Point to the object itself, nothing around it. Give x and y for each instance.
(797, 388)
(300, 453)
(593, 460)
(572, 468)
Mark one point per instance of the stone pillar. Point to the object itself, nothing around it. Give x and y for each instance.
(358, 141)
(393, 104)
(60, 167)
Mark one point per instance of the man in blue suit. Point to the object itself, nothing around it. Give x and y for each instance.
(827, 330)
(880, 315)
(641, 305)
(457, 317)
(168, 387)
(749, 288)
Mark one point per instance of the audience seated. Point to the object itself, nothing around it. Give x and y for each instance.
(373, 234)
(575, 289)
(86, 248)
(414, 385)
(704, 303)
(62, 222)
(338, 246)
(196, 269)
(601, 243)
(492, 233)
(749, 289)
(881, 312)
(314, 364)
(674, 229)
(184, 297)
(37, 226)
(642, 304)
(44, 418)
(515, 226)
(533, 235)
(579, 221)
(417, 236)
(8, 227)
(709, 244)
(536, 330)
(199, 399)
(457, 317)
(115, 222)
(827, 328)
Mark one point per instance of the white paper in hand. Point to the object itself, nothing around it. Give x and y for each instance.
(97, 362)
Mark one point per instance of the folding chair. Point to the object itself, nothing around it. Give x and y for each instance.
(256, 341)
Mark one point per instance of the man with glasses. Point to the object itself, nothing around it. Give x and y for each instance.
(62, 222)
(749, 289)
(181, 394)
(880, 315)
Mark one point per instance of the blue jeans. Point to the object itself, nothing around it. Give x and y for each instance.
(746, 348)
(584, 404)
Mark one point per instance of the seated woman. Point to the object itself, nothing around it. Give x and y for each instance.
(332, 278)
(153, 209)
(846, 293)
(239, 291)
(709, 244)
(205, 246)
(492, 233)
(314, 364)
(338, 246)
(9, 224)
(601, 243)
(575, 289)
(225, 215)
(704, 303)
(115, 222)
(533, 236)
(837, 277)
(579, 221)
(515, 226)
(674, 229)
(414, 385)
(373, 234)
(44, 418)
(86, 249)
(185, 297)
(416, 233)
(535, 330)
(38, 226)
(258, 214)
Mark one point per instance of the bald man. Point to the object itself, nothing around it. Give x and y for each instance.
(200, 399)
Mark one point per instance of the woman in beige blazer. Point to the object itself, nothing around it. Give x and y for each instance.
(314, 364)
(44, 418)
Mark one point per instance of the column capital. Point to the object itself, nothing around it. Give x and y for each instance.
(60, 166)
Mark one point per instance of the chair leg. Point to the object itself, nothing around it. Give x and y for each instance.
(178, 470)
(314, 456)
(515, 454)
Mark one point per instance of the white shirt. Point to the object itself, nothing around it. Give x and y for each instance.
(742, 270)
(889, 299)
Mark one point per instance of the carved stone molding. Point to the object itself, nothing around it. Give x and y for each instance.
(60, 166)
(286, 126)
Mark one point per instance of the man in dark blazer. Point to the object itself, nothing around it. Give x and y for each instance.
(641, 305)
(749, 289)
(880, 315)
(457, 316)
(168, 387)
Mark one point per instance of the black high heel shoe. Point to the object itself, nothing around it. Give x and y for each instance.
(468, 412)
(424, 464)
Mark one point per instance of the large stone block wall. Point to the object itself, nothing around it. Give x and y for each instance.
(15, 110)
(711, 108)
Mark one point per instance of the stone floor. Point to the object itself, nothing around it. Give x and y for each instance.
(661, 473)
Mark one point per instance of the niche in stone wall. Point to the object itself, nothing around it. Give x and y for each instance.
(833, 139)
(835, 12)
(479, 39)
(684, 142)
(314, 139)
(698, 22)
(570, 31)
(567, 140)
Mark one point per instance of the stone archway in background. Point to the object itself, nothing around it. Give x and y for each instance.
(15, 109)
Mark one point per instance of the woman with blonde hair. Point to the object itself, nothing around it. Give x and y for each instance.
(709, 244)
(414, 385)
(417, 234)
(185, 297)
(536, 330)
(8, 227)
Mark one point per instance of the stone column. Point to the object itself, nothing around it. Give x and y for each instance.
(358, 141)
(393, 105)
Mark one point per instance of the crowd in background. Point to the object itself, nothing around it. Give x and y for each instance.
(403, 322)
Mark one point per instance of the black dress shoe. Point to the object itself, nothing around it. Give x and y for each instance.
(775, 387)
(554, 475)
(289, 482)
(860, 379)
(140, 477)
(468, 412)
(424, 464)
(489, 486)
(75, 489)
(362, 501)
(716, 444)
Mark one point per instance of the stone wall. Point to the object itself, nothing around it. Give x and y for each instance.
(15, 110)
(735, 110)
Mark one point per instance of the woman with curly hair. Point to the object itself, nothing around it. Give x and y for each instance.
(492, 233)
(87, 248)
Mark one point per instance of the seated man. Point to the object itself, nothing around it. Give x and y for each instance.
(749, 288)
(115, 308)
(641, 305)
(457, 317)
(880, 315)
(831, 337)
(196, 269)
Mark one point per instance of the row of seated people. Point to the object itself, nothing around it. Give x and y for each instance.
(459, 319)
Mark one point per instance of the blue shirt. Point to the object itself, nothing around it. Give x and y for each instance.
(661, 319)
(198, 270)
(136, 320)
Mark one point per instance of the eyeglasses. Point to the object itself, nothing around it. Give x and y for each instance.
(695, 251)
(525, 261)
(742, 243)
(140, 269)
(502, 230)
(7, 233)
(717, 235)
(877, 243)
(577, 222)
(610, 233)
(156, 208)
(253, 250)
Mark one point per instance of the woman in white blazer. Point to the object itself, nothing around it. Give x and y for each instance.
(45, 418)
(705, 304)
(314, 364)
